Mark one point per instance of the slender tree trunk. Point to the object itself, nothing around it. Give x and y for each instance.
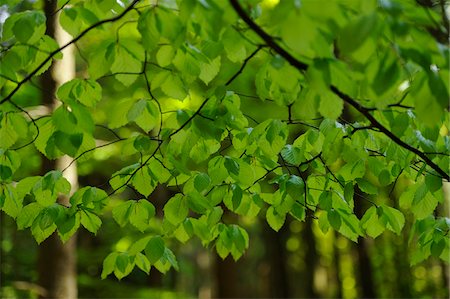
(227, 270)
(276, 256)
(227, 278)
(337, 266)
(311, 259)
(362, 247)
(57, 261)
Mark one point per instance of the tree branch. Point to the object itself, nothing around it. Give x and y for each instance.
(53, 53)
(346, 98)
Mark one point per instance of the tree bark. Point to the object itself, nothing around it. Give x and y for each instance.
(311, 257)
(337, 267)
(276, 257)
(227, 278)
(57, 261)
(362, 248)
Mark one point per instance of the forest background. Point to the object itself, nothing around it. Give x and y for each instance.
(242, 148)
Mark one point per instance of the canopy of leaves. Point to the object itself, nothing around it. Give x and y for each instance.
(267, 109)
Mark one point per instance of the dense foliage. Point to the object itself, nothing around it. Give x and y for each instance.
(286, 109)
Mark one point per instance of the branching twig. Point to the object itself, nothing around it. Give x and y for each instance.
(90, 150)
(262, 177)
(243, 65)
(268, 39)
(33, 121)
(74, 40)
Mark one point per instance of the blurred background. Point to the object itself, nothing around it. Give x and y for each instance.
(299, 261)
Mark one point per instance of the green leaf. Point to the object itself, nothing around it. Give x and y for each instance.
(145, 114)
(392, 218)
(5, 172)
(184, 231)
(165, 55)
(240, 241)
(350, 226)
(198, 203)
(43, 225)
(128, 57)
(28, 214)
(231, 165)
(155, 249)
(90, 221)
(236, 196)
(295, 187)
(147, 26)
(87, 92)
(423, 203)
(64, 120)
(170, 257)
(109, 264)
(325, 200)
(224, 244)
(120, 178)
(209, 70)
(348, 192)
(122, 262)
(433, 182)
(67, 143)
(176, 209)
(330, 105)
(334, 219)
(136, 110)
(274, 219)
(122, 212)
(77, 18)
(12, 126)
(366, 186)
(371, 224)
(356, 33)
(141, 213)
(173, 87)
(9, 162)
(384, 177)
(387, 75)
(12, 202)
(437, 248)
(298, 211)
(142, 262)
(27, 27)
(201, 182)
(217, 170)
(324, 224)
(47, 188)
(292, 154)
(68, 223)
(143, 180)
(89, 197)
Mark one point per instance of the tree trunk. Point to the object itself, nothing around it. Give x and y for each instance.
(276, 256)
(337, 267)
(227, 278)
(311, 257)
(57, 261)
(364, 263)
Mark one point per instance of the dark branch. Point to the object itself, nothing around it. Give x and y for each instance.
(90, 150)
(53, 53)
(346, 98)
(243, 65)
